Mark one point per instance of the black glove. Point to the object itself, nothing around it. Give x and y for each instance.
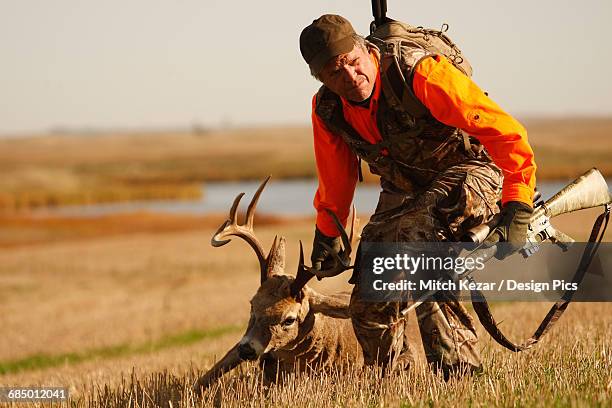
(512, 229)
(321, 257)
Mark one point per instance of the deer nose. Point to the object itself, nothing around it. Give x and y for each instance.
(246, 352)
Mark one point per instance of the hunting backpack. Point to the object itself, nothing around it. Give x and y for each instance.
(402, 47)
(418, 146)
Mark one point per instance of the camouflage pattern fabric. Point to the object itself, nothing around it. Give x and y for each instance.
(437, 182)
(462, 197)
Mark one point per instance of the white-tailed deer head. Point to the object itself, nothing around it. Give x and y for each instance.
(283, 323)
(283, 306)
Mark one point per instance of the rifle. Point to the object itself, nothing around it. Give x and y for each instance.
(587, 191)
(379, 11)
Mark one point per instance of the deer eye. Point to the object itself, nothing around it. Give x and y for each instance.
(288, 321)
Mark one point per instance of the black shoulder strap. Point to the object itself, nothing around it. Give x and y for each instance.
(483, 311)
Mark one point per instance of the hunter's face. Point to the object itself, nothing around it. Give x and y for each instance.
(351, 76)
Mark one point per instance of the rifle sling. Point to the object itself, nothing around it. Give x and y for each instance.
(481, 307)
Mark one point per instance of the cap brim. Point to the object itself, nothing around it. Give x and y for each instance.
(342, 46)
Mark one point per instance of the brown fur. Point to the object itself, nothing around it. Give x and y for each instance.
(321, 337)
(292, 327)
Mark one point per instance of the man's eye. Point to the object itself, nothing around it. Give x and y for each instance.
(288, 321)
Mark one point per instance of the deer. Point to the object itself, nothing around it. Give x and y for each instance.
(292, 327)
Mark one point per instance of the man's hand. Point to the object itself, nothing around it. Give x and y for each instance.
(321, 257)
(512, 229)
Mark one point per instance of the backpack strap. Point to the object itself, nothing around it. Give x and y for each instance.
(397, 88)
(397, 92)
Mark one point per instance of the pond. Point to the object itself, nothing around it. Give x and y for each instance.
(281, 197)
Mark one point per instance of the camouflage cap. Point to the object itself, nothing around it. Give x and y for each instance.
(328, 36)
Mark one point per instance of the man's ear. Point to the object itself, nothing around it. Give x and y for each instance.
(333, 306)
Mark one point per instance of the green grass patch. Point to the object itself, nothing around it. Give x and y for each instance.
(39, 361)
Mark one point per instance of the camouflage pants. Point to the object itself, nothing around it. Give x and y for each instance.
(464, 196)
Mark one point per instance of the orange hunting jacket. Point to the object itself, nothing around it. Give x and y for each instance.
(453, 99)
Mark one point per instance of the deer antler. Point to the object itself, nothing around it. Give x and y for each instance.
(341, 260)
(303, 275)
(231, 227)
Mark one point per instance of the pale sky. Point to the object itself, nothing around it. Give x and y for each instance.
(154, 63)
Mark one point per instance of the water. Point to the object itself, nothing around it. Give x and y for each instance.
(281, 197)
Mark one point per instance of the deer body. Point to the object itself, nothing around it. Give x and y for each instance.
(292, 327)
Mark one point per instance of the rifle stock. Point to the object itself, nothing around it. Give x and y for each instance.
(587, 191)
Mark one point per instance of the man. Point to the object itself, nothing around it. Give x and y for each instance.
(437, 182)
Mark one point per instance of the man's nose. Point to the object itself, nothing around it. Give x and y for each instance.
(349, 73)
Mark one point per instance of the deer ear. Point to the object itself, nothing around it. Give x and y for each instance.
(334, 306)
(275, 262)
(304, 306)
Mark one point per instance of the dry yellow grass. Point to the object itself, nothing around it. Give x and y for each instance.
(128, 309)
(566, 147)
(570, 368)
(145, 312)
(21, 230)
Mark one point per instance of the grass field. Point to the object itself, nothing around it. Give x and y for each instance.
(68, 169)
(131, 317)
(128, 309)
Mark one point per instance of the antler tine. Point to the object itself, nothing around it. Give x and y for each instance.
(341, 264)
(343, 236)
(342, 261)
(231, 227)
(217, 239)
(253, 204)
(354, 226)
(303, 275)
(232, 214)
(355, 236)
